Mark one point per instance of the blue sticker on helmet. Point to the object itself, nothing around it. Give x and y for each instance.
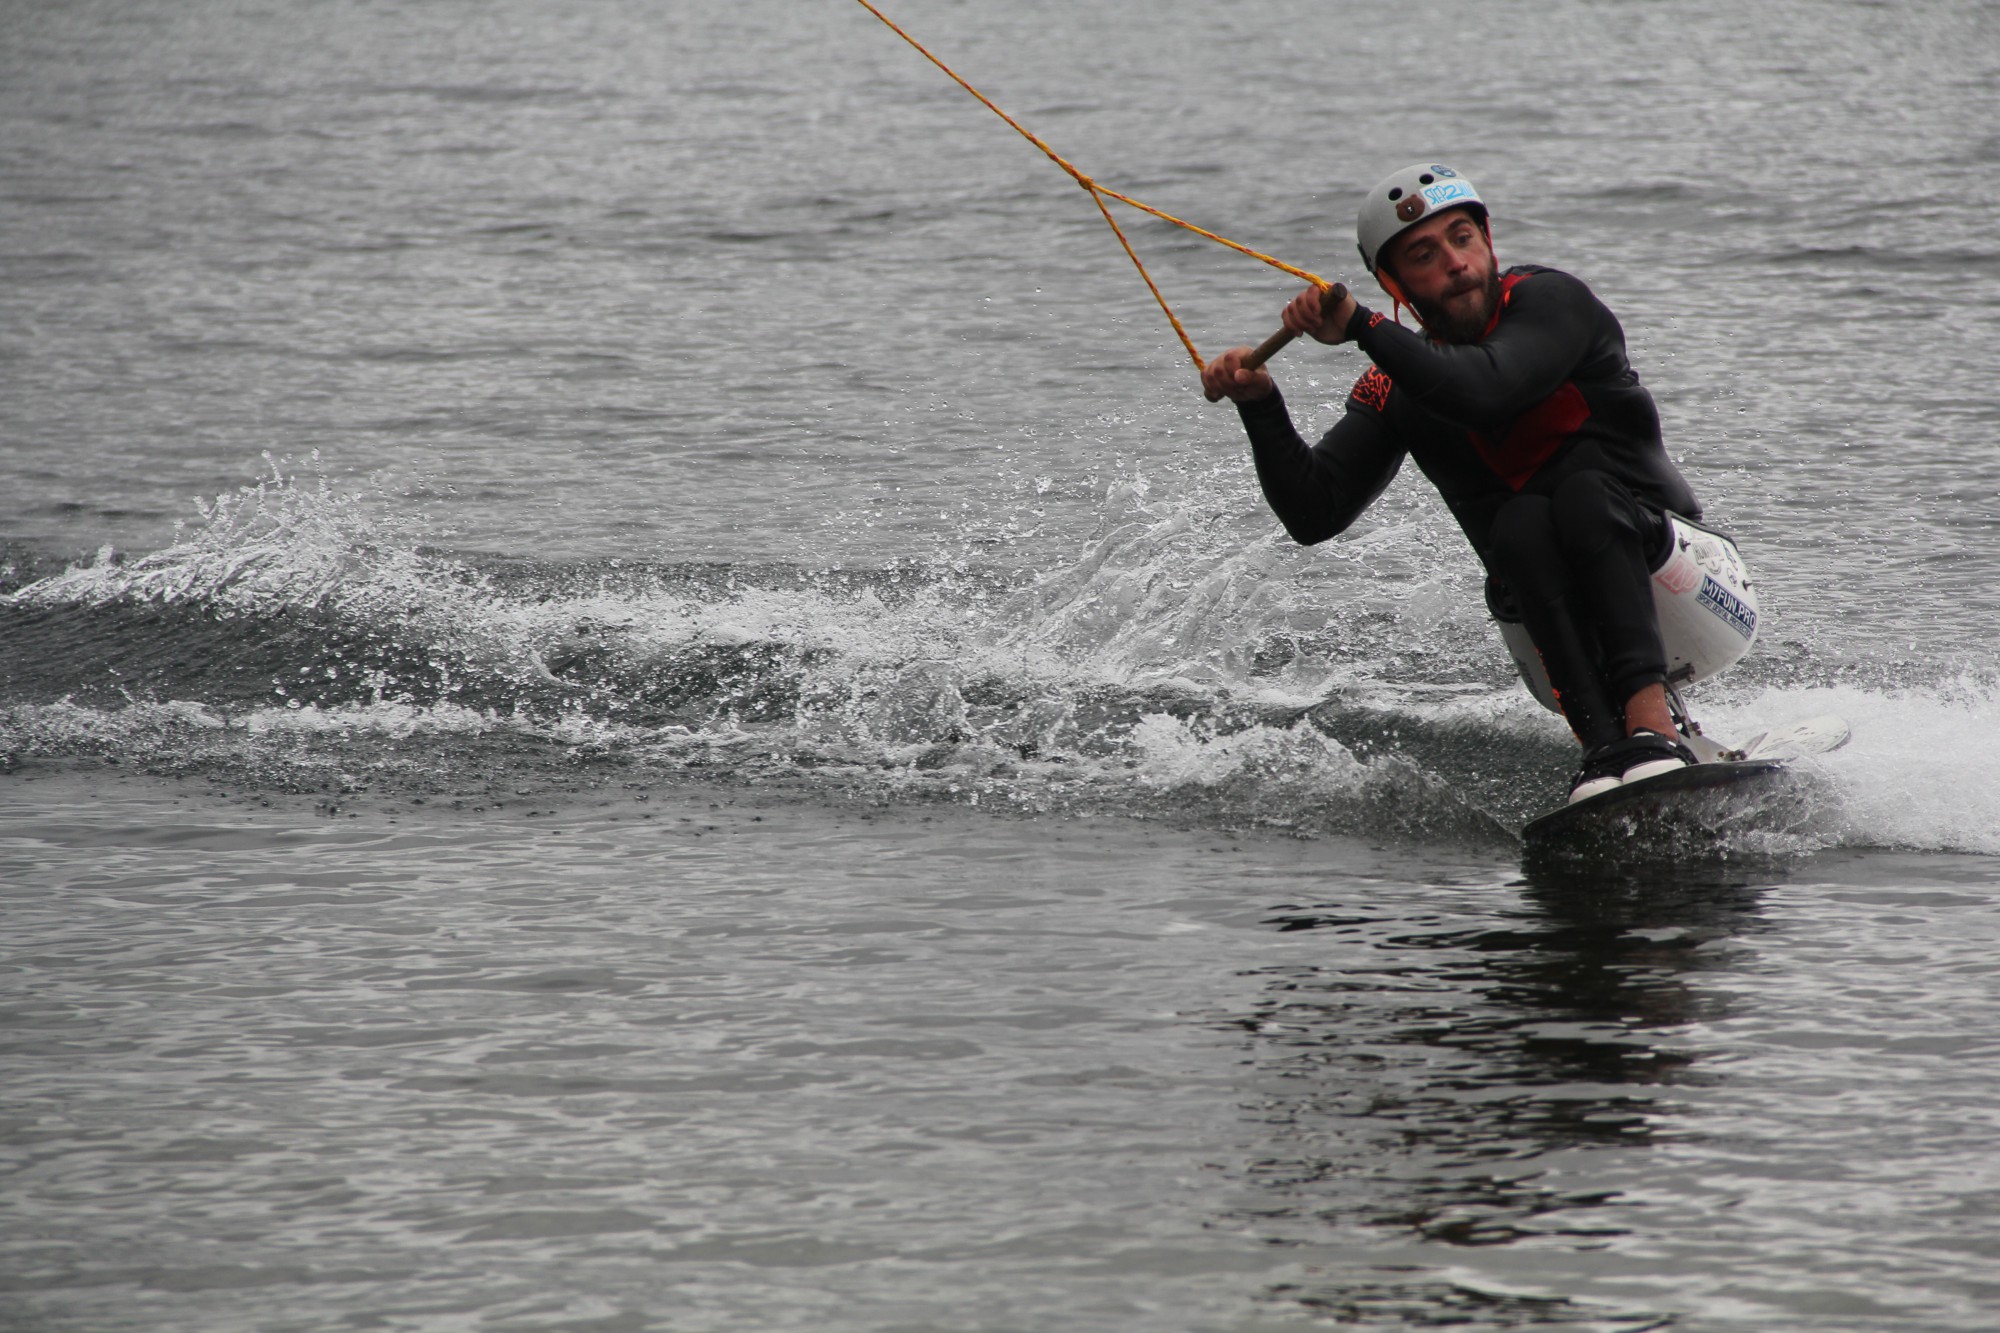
(1447, 192)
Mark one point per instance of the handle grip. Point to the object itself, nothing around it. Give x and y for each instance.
(1331, 297)
(1267, 349)
(1274, 344)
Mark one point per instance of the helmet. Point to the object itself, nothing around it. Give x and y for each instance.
(1407, 198)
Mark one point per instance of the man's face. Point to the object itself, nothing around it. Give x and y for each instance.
(1446, 268)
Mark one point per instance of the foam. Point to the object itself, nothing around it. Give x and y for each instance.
(1177, 753)
(396, 719)
(1922, 770)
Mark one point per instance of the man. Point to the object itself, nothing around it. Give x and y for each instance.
(1518, 404)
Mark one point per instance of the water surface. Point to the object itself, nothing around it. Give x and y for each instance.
(636, 692)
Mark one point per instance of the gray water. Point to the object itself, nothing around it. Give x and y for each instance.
(636, 692)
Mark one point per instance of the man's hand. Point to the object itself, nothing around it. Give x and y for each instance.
(1225, 377)
(1323, 314)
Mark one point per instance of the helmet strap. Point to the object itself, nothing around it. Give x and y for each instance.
(1396, 298)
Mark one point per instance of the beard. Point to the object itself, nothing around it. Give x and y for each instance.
(1464, 325)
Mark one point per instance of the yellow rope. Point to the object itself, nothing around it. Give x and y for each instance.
(1165, 309)
(1098, 194)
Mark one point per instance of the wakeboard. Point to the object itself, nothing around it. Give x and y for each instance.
(1727, 787)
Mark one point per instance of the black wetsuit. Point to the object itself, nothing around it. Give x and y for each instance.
(1546, 449)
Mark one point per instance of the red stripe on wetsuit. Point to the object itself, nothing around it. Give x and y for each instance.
(1534, 436)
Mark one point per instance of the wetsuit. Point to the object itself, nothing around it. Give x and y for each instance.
(1546, 449)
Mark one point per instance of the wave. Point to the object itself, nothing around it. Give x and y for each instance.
(295, 641)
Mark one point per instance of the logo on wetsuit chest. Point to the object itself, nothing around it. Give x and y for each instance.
(1731, 608)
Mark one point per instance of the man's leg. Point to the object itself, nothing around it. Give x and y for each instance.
(1527, 556)
(1647, 711)
(1607, 540)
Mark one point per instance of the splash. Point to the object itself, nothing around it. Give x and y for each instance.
(1923, 769)
(270, 545)
(1171, 590)
(1171, 670)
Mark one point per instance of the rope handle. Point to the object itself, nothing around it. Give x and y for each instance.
(1267, 349)
(1274, 344)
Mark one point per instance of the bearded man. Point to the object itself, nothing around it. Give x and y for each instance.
(1518, 404)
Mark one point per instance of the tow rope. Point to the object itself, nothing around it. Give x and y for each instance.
(1099, 193)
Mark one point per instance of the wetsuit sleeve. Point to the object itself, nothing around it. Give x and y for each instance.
(1551, 324)
(1318, 491)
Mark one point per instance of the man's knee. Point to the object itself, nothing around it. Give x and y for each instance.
(1591, 511)
(1523, 537)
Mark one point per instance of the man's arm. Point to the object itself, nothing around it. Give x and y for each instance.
(1551, 323)
(1318, 491)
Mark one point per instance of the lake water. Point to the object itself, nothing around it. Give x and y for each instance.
(637, 693)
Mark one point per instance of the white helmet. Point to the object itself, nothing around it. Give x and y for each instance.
(1407, 198)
